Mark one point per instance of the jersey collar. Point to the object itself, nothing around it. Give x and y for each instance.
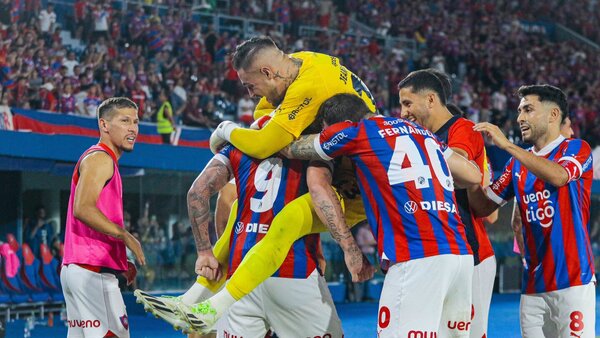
(549, 147)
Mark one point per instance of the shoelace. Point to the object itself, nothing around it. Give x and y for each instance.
(204, 308)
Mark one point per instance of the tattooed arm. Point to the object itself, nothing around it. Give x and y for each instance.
(329, 209)
(302, 149)
(214, 177)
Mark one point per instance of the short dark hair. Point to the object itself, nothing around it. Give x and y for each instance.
(547, 93)
(444, 80)
(342, 107)
(424, 79)
(108, 107)
(245, 52)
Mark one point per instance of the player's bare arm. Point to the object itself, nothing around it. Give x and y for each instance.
(479, 202)
(464, 172)
(227, 195)
(329, 209)
(517, 225)
(94, 171)
(542, 168)
(214, 177)
(302, 149)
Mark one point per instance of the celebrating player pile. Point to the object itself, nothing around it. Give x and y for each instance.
(406, 172)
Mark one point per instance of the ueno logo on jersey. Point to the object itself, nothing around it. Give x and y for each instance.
(252, 227)
(335, 140)
(412, 206)
(545, 211)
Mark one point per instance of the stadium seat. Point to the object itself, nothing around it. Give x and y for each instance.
(50, 272)
(30, 275)
(13, 285)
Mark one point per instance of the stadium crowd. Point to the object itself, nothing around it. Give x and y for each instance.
(143, 52)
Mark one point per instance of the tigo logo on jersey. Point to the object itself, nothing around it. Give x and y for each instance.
(293, 113)
(411, 206)
(334, 140)
(545, 211)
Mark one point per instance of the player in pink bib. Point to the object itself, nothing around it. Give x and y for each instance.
(95, 238)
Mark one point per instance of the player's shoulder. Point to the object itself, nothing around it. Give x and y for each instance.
(578, 143)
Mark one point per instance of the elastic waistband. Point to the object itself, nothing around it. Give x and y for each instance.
(97, 269)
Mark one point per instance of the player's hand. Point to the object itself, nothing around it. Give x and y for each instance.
(493, 132)
(208, 266)
(134, 245)
(358, 265)
(221, 135)
(216, 143)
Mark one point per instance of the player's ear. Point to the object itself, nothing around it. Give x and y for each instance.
(555, 114)
(103, 125)
(267, 72)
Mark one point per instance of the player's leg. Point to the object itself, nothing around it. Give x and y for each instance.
(245, 318)
(457, 312)
(301, 307)
(99, 301)
(412, 297)
(483, 284)
(573, 311)
(165, 307)
(294, 221)
(535, 317)
(73, 315)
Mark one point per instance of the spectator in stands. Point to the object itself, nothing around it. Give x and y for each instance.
(47, 19)
(92, 100)
(47, 98)
(70, 62)
(164, 118)
(67, 101)
(193, 114)
(245, 112)
(38, 230)
(139, 96)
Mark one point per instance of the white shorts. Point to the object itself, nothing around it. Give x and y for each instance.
(483, 285)
(427, 297)
(562, 313)
(94, 303)
(290, 307)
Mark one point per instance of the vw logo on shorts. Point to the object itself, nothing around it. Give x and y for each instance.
(410, 207)
(239, 227)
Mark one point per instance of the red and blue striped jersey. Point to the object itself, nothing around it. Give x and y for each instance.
(556, 225)
(405, 183)
(264, 187)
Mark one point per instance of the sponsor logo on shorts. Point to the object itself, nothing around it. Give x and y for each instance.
(125, 321)
(421, 334)
(460, 326)
(334, 140)
(304, 104)
(231, 335)
(84, 324)
(411, 207)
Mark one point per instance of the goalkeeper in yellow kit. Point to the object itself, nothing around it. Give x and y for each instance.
(292, 87)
